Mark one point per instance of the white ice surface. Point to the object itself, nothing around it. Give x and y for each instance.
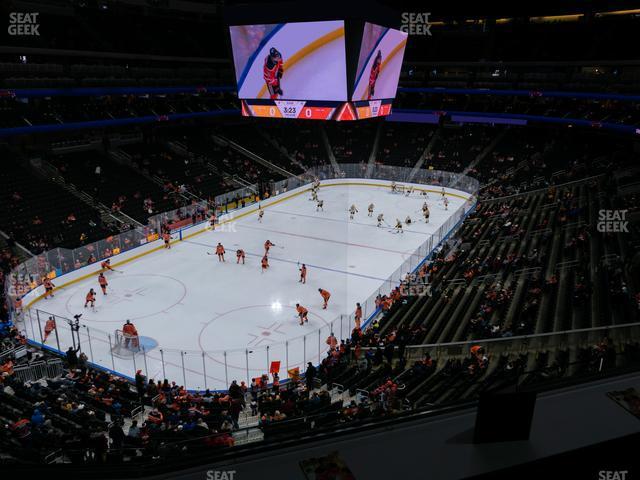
(187, 301)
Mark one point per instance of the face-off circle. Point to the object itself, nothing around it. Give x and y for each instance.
(132, 294)
(256, 327)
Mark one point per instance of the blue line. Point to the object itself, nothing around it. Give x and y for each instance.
(292, 261)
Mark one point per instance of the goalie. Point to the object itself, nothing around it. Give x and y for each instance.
(130, 334)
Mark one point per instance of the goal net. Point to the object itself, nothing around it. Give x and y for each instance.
(125, 345)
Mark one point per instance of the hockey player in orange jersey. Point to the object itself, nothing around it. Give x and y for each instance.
(131, 334)
(264, 263)
(325, 297)
(240, 255)
(106, 265)
(303, 273)
(220, 252)
(90, 299)
(267, 246)
(48, 287)
(302, 313)
(102, 280)
(49, 327)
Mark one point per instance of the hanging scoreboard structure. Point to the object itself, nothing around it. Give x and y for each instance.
(312, 68)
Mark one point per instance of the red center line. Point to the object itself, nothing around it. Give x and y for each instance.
(326, 240)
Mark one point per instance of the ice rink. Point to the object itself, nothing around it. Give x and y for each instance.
(205, 322)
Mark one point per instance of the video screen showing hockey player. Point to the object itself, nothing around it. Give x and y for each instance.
(379, 63)
(273, 71)
(290, 61)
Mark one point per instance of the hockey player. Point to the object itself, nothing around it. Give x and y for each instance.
(240, 255)
(446, 203)
(303, 273)
(90, 299)
(131, 335)
(267, 246)
(398, 226)
(264, 263)
(49, 327)
(220, 252)
(48, 287)
(407, 220)
(302, 313)
(106, 265)
(325, 297)
(166, 236)
(373, 74)
(352, 211)
(409, 191)
(314, 195)
(380, 219)
(102, 280)
(272, 72)
(260, 214)
(443, 192)
(316, 184)
(370, 209)
(426, 213)
(394, 187)
(212, 220)
(320, 206)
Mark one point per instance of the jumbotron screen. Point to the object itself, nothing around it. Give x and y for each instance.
(284, 66)
(379, 63)
(299, 70)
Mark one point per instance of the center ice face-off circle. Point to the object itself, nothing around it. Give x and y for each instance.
(255, 326)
